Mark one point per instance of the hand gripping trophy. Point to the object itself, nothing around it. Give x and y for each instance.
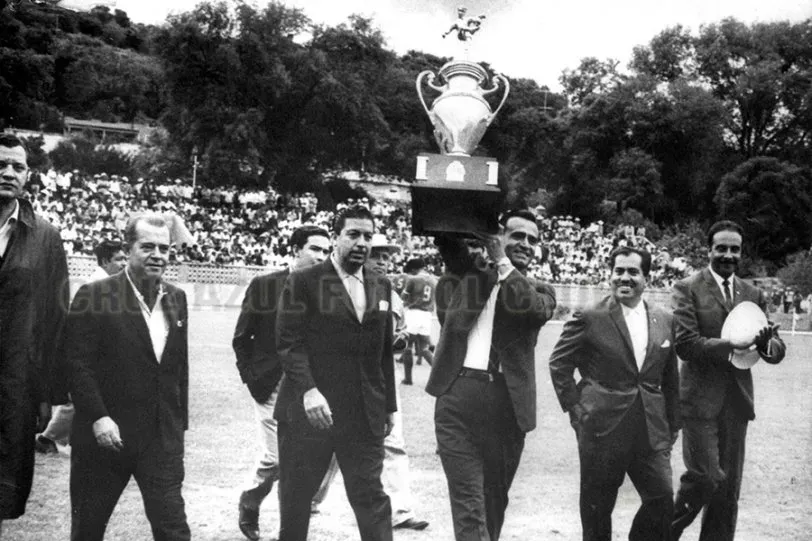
(454, 191)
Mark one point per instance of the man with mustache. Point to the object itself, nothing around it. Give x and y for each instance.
(334, 331)
(258, 363)
(33, 302)
(128, 349)
(716, 398)
(624, 408)
(483, 373)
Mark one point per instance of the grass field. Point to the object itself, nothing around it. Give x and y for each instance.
(775, 502)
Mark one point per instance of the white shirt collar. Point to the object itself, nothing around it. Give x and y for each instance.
(15, 215)
(639, 310)
(344, 275)
(138, 294)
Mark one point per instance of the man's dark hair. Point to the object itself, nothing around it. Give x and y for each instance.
(645, 257)
(9, 140)
(106, 250)
(356, 211)
(524, 214)
(723, 225)
(299, 237)
(415, 264)
(151, 218)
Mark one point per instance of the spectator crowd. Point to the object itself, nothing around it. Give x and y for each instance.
(230, 226)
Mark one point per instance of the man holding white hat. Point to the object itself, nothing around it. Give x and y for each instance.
(716, 397)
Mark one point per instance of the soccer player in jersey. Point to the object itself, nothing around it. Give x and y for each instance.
(418, 298)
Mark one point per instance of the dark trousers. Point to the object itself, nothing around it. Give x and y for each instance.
(98, 477)
(713, 452)
(304, 455)
(606, 460)
(480, 446)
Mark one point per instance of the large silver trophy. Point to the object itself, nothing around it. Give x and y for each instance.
(454, 191)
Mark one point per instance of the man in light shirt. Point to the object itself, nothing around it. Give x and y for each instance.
(127, 346)
(483, 373)
(624, 409)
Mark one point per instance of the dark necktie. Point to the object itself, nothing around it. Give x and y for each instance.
(728, 296)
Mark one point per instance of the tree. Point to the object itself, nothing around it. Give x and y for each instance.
(591, 77)
(635, 181)
(798, 272)
(772, 200)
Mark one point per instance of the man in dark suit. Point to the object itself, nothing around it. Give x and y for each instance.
(255, 347)
(334, 338)
(34, 277)
(484, 370)
(127, 347)
(624, 408)
(716, 397)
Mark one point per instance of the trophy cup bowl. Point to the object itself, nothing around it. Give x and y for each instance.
(460, 115)
(455, 192)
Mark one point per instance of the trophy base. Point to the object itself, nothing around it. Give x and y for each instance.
(446, 210)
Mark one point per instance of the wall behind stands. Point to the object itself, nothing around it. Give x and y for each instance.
(215, 287)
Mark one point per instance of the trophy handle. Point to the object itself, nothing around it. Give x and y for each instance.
(429, 82)
(496, 78)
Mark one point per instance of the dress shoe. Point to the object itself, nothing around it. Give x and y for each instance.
(411, 524)
(249, 521)
(45, 445)
(405, 382)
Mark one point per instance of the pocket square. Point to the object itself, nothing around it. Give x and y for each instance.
(666, 344)
(383, 306)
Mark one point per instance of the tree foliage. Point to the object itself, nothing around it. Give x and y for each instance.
(772, 200)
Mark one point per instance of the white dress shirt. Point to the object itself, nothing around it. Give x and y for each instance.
(719, 281)
(354, 284)
(156, 321)
(8, 227)
(478, 354)
(637, 323)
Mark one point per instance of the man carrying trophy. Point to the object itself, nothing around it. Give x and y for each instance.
(716, 385)
(484, 369)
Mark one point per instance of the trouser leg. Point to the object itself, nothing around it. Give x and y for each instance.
(722, 510)
(59, 428)
(304, 455)
(395, 475)
(458, 419)
(652, 477)
(361, 461)
(266, 468)
(700, 453)
(159, 474)
(503, 445)
(97, 479)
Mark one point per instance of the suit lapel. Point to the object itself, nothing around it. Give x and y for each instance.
(169, 305)
(715, 292)
(653, 336)
(371, 293)
(335, 288)
(470, 298)
(132, 311)
(616, 313)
